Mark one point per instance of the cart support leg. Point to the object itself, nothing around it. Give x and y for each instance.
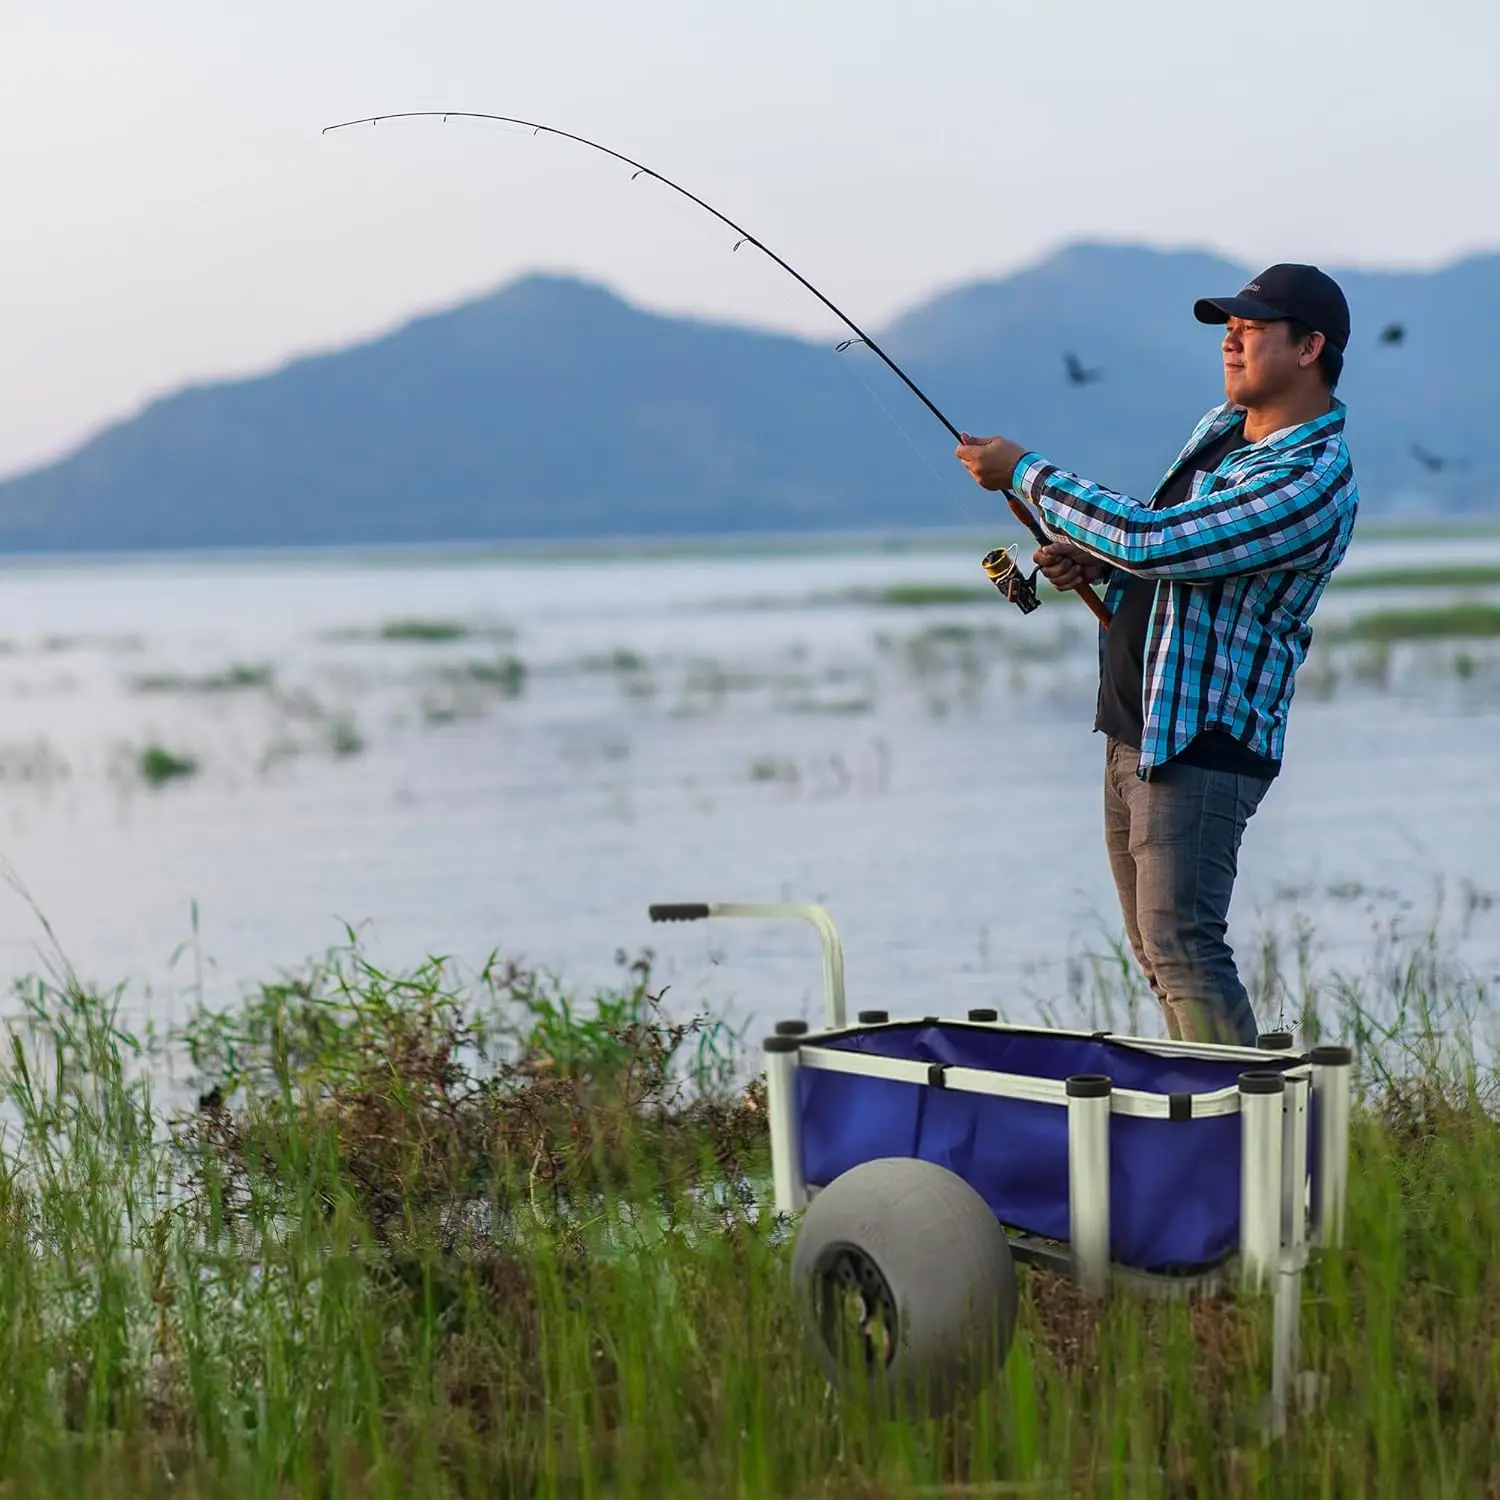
(1286, 1325)
(1285, 1313)
(1088, 1180)
(1332, 1069)
(1261, 1145)
(786, 1125)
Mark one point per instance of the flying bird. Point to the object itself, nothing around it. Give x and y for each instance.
(1435, 463)
(1077, 375)
(1392, 333)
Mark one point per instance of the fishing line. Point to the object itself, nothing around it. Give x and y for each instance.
(965, 508)
(998, 564)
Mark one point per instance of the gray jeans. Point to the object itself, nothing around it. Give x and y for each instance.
(1174, 844)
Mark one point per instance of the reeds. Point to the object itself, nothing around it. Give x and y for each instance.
(374, 1234)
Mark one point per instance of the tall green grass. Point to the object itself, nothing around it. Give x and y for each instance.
(1463, 618)
(375, 1234)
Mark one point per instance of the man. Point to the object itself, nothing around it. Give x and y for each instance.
(1211, 584)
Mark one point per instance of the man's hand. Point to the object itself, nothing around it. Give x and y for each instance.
(1067, 567)
(992, 461)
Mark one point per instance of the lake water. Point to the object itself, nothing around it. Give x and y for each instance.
(732, 726)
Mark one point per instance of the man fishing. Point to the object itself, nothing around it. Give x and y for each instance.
(1211, 583)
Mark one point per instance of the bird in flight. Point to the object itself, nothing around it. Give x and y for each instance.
(1077, 375)
(1435, 463)
(1392, 333)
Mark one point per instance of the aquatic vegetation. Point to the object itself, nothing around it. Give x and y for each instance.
(85, 642)
(412, 1233)
(299, 704)
(621, 659)
(234, 678)
(344, 738)
(507, 674)
(1427, 576)
(157, 765)
(467, 689)
(32, 762)
(780, 768)
(425, 630)
(1463, 618)
(925, 595)
(840, 707)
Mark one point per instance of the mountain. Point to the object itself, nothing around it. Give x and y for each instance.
(993, 347)
(552, 409)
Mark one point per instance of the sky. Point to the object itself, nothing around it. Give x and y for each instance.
(170, 211)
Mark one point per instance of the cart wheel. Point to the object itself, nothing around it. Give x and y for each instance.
(906, 1284)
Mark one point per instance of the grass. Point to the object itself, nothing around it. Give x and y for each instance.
(1463, 619)
(925, 595)
(768, 767)
(621, 659)
(397, 1235)
(235, 678)
(36, 761)
(344, 738)
(1443, 575)
(156, 765)
(507, 675)
(58, 643)
(424, 630)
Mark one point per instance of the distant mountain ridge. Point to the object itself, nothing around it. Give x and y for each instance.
(552, 409)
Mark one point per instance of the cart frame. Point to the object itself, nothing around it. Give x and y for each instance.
(1293, 1174)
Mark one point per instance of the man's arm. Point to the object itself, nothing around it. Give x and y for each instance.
(1282, 516)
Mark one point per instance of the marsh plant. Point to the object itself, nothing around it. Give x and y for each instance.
(370, 1233)
(156, 765)
(344, 738)
(505, 675)
(33, 762)
(234, 678)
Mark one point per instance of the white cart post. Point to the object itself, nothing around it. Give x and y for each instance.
(1286, 1313)
(1088, 1180)
(786, 1123)
(1332, 1069)
(1261, 1098)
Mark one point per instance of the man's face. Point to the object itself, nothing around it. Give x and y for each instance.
(1261, 361)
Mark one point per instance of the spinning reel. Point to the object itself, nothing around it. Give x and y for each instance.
(1005, 573)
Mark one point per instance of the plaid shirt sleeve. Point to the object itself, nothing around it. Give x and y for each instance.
(1284, 513)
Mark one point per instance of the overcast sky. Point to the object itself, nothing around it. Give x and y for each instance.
(170, 212)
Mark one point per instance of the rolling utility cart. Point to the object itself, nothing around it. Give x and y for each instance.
(927, 1155)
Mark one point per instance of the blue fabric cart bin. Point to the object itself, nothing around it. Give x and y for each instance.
(1174, 1184)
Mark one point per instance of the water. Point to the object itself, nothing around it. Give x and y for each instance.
(722, 727)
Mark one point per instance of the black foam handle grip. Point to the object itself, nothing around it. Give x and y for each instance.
(679, 911)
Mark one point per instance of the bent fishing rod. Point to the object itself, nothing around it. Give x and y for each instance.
(999, 565)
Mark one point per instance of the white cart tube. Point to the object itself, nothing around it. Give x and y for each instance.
(1261, 1096)
(1294, 1161)
(1285, 1317)
(775, 911)
(1088, 1180)
(1333, 1068)
(786, 1124)
(1286, 1327)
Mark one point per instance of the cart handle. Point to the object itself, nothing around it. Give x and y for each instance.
(776, 911)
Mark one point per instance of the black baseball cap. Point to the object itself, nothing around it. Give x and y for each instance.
(1305, 293)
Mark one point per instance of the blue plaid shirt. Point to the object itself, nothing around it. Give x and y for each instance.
(1240, 564)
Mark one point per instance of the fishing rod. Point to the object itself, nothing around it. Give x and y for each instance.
(999, 565)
